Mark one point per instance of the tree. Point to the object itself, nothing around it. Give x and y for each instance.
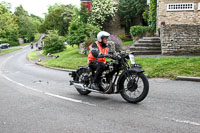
(28, 25)
(58, 19)
(8, 27)
(19, 11)
(79, 30)
(41, 20)
(102, 12)
(152, 14)
(6, 5)
(129, 11)
(53, 43)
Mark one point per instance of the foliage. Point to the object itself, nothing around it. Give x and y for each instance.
(122, 37)
(53, 43)
(12, 43)
(140, 30)
(78, 30)
(6, 5)
(129, 11)
(102, 12)
(28, 25)
(16, 25)
(37, 37)
(19, 11)
(152, 14)
(145, 16)
(41, 20)
(59, 18)
(84, 14)
(9, 27)
(117, 42)
(88, 41)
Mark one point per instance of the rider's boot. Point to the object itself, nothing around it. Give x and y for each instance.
(95, 86)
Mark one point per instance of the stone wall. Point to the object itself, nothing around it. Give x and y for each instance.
(180, 39)
(114, 27)
(178, 17)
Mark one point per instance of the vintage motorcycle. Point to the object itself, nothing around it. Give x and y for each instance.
(121, 77)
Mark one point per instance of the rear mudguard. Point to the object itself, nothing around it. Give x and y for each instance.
(131, 70)
(74, 74)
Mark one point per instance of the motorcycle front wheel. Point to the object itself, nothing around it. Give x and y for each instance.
(134, 88)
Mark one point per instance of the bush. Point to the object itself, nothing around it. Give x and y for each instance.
(102, 12)
(153, 14)
(117, 42)
(122, 37)
(78, 31)
(12, 43)
(88, 41)
(53, 43)
(140, 30)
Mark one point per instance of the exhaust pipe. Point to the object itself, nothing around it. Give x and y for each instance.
(79, 86)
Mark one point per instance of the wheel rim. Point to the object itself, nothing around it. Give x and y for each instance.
(133, 87)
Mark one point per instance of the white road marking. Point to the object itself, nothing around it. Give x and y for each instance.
(49, 94)
(183, 121)
(46, 93)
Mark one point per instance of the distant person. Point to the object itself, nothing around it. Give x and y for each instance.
(36, 44)
(31, 45)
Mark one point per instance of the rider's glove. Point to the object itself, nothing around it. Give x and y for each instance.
(113, 57)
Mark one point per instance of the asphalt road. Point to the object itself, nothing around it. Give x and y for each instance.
(34, 99)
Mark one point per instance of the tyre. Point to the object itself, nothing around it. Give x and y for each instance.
(84, 80)
(134, 88)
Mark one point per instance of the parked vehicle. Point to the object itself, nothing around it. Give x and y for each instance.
(121, 77)
(4, 45)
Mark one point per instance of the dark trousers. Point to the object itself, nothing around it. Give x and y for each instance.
(100, 67)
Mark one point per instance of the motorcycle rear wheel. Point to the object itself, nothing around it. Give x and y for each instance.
(130, 86)
(79, 79)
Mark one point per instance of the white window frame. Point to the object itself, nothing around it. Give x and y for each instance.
(198, 6)
(179, 7)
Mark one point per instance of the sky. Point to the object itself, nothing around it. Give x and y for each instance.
(39, 7)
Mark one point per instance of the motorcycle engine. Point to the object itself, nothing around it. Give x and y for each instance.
(85, 79)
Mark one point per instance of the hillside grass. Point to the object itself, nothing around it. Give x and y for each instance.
(5, 51)
(155, 67)
(32, 55)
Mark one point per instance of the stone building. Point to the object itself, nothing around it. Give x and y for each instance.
(179, 22)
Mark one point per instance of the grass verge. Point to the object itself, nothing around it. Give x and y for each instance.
(32, 55)
(155, 67)
(5, 51)
(25, 44)
(127, 43)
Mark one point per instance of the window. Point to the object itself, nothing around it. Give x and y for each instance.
(180, 6)
(198, 6)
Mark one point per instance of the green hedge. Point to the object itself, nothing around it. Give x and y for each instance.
(140, 30)
(12, 43)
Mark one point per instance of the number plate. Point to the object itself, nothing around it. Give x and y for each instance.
(132, 58)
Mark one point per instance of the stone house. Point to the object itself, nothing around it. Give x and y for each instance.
(179, 23)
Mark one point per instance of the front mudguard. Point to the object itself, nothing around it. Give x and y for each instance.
(124, 73)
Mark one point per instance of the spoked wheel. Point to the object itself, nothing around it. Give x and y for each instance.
(135, 87)
(82, 78)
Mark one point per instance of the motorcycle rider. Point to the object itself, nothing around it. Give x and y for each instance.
(98, 52)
